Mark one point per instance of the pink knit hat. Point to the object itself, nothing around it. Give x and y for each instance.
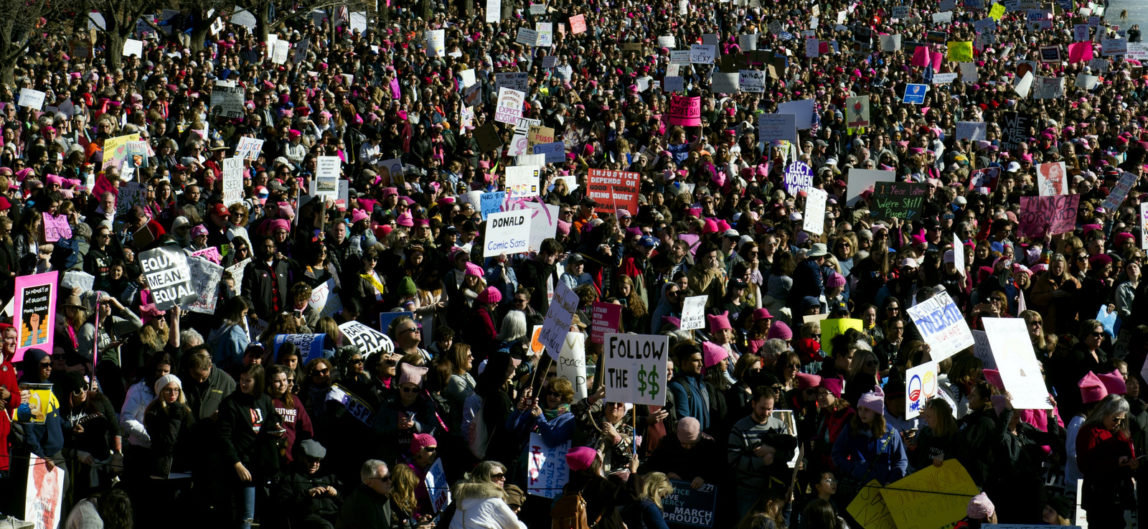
(780, 330)
(489, 296)
(422, 440)
(474, 270)
(718, 322)
(807, 381)
(873, 400)
(713, 354)
(1092, 389)
(833, 384)
(981, 507)
(580, 458)
(1113, 383)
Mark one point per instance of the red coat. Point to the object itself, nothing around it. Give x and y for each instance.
(8, 380)
(1098, 452)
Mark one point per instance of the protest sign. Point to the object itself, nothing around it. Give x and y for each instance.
(310, 346)
(613, 190)
(673, 83)
(942, 326)
(438, 488)
(545, 33)
(857, 112)
(1014, 130)
(555, 151)
(931, 497)
(572, 363)
(634, 368)
(577, 24)
(436, 42)
(1048, 88)
(507, 232)
(232, 181)
(526, 37)
(367, 339)
(890, 42)
(205, 276)
(227, 101)
(522, 181)
(814, 219)
(1051, 179)
(168, 277)
(491, 203)
(1113, 47)
(983, 350)
(751, 81)
(34, 313)
(694, 313)
(968, 72)
(537, 134)
(687, 507)
(812, 48)
(44, 494)
(920, 386)
(1119, 192)
(514, 80)
(355, 405)
(702, 53)
(776, 127)
(1144, 226)
(544, 221)
(861, 180)
(493, 11)
(944, 78)
(249, 148)
(960, 51)
(802, 110)
(77, 279)
(558, 317)
(1047, 215)
(547, 471)
(972, 130)
(29, 98)
(896, 200)
(1086, 82)
(604, 319)
(915, 93)
(56, 227)
(509, 107)
(798, 176)
(1017, 363)
(869, 510)
(685, 111)
(833, 327)
(327, 172)
(321, 298)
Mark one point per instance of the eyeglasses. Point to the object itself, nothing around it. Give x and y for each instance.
(410, 329)
(45, 364)
(356, 360)
(324, 371)
(1098, 335)
(498, 476)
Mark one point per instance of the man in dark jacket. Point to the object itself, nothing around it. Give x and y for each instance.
(539, 274)
(205, 387)
(807, 279)
(265, 282)
(369, 506)
(305, 494)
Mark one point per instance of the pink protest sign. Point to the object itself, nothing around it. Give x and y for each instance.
(685, 111)
(211, 254)
(1040, 216)
(1079, 52)
(605, 319)
(56, 227)
(578, 24)
(34, 312)
(921, 57)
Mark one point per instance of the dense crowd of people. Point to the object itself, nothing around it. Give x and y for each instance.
(224, 416)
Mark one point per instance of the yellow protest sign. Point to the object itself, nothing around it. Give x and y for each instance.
(835, 327)
(997, 12)
(36, 402)
(869, 509)
(931, 498)
(961, 51)
(115, 149)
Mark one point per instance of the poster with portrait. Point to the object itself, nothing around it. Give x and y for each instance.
(44, 499)
(35, 312)
(1051, 179)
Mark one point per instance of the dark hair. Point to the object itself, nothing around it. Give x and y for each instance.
(115, 509)
(763, 392)
(819, 514)
(255, 371)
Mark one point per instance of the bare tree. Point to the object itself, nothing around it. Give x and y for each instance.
(273, 15)
(20, 29)
(119, 21)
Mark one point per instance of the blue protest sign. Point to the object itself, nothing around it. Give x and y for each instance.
(555, 152)
(310, 345)
(689, 507)
(385, 319)
(915, 94)
(491, 203)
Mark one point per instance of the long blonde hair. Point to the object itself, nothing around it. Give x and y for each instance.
(655, 486)
(404, 481)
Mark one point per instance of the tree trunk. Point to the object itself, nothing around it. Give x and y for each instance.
(263, 21)
(114, 38)
(198, 35)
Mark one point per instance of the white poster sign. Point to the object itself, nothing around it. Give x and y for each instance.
(634, 368)
(558, 317)
(507, 232)
(694, 313)
(1017, 363)
(232, 181)
(572, 363)
(814, 218)
(942, 326)
(920, 386)
(547, 471)
(327, 171)
(367, 339)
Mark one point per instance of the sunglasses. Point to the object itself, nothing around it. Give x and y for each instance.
(315, 372)
(498, 476)
(1098, 335)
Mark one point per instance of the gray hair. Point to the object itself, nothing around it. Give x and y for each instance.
(370, 470)
(513, 326)
(190, 338)
(775, 346)
(485, 471)
(1110, 406)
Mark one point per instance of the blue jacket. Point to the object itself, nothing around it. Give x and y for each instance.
(691, 398)
(228, 347)
(864, 458)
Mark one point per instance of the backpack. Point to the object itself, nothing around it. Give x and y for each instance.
(569, 512)
(474, 426)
